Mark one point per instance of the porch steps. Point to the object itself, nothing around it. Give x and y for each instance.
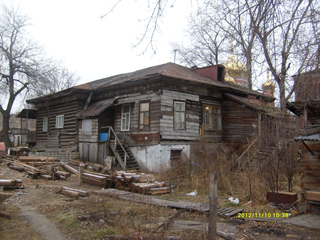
(131, 163)
(121, 151)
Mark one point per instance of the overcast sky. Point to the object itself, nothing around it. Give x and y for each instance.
(93, 48)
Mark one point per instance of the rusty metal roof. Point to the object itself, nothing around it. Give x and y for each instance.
(96, 108)
(169, 70)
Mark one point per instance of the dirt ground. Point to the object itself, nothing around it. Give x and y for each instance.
(39, 212)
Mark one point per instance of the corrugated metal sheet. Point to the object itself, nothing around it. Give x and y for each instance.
(96, 108)
(313, 137)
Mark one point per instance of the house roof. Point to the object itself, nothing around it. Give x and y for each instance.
(28, 113)
(170, 70)
(255, 104)
(96, 108)
(298, 107)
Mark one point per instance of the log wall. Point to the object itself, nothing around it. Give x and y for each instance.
(310, 168)
(136, 135)
(58, 137)
(193, 105)
(238, 122)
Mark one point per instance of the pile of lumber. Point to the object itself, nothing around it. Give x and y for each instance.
(139, 183)
(37, 167)
(129, 181)
(95, 178)
(89, 177)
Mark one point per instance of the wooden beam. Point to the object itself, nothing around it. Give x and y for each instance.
(213, 199)
(304, 144)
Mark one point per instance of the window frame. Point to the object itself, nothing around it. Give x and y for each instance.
(45, 124)
(215, 116)
(174, 116)
(123, 128)
(144, 126)
(59, 121)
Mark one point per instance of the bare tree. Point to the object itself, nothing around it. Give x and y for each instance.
(205, 42)
(52, 81)
(212, 24)
(22, 64)
(287, 36)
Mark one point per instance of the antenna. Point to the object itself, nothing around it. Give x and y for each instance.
(174, 57)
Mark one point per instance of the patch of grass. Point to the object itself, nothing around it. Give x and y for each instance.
(68, 218)
(99, 234)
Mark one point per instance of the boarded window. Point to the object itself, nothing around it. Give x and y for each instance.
(45, 125)
(212, 117)
(144, 119)
(59, 121)
(125, 117)
(175, 157)
(179, 115)
(86, 125)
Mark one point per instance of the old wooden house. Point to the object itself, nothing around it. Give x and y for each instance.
(149, 117)
(307, 107)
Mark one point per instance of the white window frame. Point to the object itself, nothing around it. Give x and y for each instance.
(86, 125)
(125, 118)
(59, 121)
(179, 114)
(45, 124)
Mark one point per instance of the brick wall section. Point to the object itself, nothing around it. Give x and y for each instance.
(62, 156)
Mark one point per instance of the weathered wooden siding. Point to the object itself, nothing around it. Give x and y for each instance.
(210, 135)
(310, 168)
(238, 122)
(91, 136)
(167, 130)
(58, 137)
(88, 142)
(136, 135)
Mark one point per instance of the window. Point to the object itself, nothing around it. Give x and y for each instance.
(212, 117)
(144, 119)
(86, 125)
(45, 125)
(179, 115)
(175, 157)
(125, 118)
(59, 121)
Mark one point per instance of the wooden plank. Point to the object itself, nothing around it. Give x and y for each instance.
(156, 191)
(213, 200)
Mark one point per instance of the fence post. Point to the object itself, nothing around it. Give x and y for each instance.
(79, 175)
(213, 198)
